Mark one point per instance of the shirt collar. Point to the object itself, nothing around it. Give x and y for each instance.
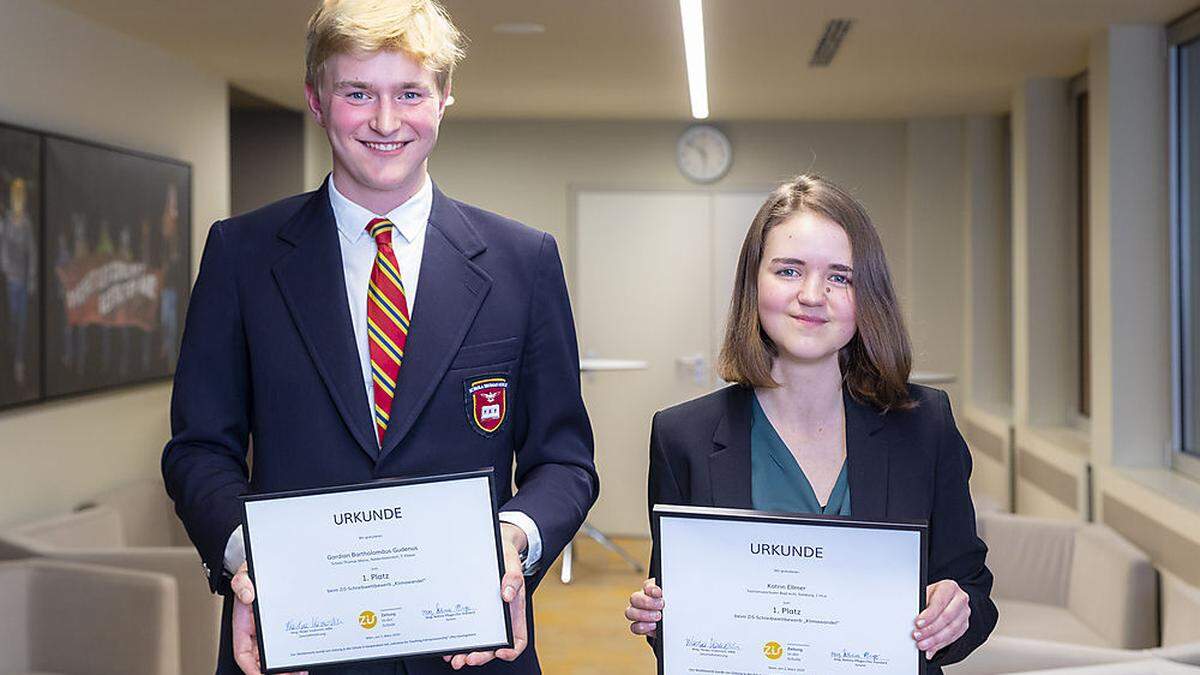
(409, 218)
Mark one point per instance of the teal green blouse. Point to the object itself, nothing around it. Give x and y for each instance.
(777, 482)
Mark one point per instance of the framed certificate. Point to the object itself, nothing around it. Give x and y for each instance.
(384, 570)
(755, 592)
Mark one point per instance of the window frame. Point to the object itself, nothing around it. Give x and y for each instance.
(1185, 32)
(1080, 412)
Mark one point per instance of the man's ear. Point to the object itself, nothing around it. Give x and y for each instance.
(447, 99)
(314, 103)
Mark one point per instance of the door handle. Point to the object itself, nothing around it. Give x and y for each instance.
(696, 365)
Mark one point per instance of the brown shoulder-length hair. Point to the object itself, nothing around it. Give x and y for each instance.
(876, 362)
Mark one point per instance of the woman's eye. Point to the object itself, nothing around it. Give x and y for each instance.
(841, 279)
(790, 272)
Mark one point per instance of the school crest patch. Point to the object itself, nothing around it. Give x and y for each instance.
(487, 403)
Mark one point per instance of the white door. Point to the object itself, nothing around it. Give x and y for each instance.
(653, 273)
(732, 214)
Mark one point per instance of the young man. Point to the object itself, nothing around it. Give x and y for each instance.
(305, 333)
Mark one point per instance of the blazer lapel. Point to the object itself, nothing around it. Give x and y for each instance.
(867, 458)
(729, 463)
(451, 292)
(313, 284)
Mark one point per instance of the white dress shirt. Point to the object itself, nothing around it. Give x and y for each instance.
(410, 220)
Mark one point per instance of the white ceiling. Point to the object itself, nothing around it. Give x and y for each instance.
(623, 59)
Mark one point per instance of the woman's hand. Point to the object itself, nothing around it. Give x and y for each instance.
(946, 616)
(645, 609)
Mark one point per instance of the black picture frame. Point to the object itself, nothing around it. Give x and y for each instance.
(487, 473)
(21, 380)
(117, 255)
(661, 511)
(110, 183)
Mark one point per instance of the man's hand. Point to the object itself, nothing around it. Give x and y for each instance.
(512, 590)
(245, 640)
(645, 609)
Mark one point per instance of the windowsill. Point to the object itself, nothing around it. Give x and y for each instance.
(999, 411)
(1069, 440)
(1169, 484)
(991, 416)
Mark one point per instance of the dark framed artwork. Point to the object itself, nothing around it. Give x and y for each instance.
(118, 272)
(20, 273)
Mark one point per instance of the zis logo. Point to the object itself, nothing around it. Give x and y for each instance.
(773, 650)
(367, 619)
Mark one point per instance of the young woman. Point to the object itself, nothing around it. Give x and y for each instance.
(822, 418)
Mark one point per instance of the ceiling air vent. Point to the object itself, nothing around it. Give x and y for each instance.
(831, 41)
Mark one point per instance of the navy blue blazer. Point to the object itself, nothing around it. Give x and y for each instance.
(269, 359)
(902, 465)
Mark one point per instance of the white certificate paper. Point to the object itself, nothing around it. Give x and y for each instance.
(751, 593)
(399, 568)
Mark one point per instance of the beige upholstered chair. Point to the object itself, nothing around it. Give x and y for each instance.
(73, 619)
(1143, 667)
(1180, 604)
(1180, 621)
(1072, 582)
(147, 515)
(133, 528)
(1180, 611)
(1006, 654)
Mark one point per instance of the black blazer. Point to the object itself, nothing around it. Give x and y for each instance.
(902, 465)
(269, 353)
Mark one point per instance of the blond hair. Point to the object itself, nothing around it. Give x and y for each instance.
(419, 28)
(876, 362)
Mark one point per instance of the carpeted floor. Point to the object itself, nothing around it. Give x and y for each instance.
(581, 627)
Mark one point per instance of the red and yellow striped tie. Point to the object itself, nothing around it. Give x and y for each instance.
(387, 321)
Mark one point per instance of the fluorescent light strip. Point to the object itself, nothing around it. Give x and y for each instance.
(693, 47)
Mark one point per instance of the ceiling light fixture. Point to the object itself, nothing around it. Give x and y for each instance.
(519, 28)
(831, 41)
(692, 14)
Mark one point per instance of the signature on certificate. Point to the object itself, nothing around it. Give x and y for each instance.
(859, 658)
(447, 612)
(712, 644)
(311, 624)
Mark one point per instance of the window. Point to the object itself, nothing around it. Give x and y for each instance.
(1083, 250)
(1185, 208)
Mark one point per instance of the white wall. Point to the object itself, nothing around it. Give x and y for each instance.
(68, 75)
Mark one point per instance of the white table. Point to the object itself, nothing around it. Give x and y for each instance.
(931, 377)
(598, 366)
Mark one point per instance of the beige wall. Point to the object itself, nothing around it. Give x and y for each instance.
(1115, 467)
(317, 160)
(908, 173)
(987, 365)
(526, 170)
(935, 223)
(1131, 368)
(1044, 305)
(1045, 338)
(1131, 267)
(930, 184)
(67, 75)
(266, 156)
